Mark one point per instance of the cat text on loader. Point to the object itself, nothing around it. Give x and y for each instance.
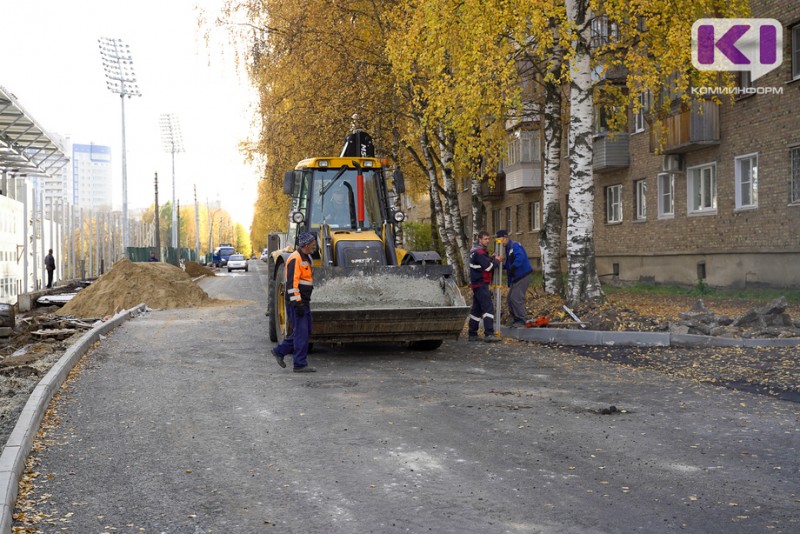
(365, 289)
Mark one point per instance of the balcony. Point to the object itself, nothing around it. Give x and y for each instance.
(690, 129)
(610, 152)
(522, 177)
(495, 191)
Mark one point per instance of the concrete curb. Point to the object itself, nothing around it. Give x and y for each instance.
(18, 446)
(564, 336)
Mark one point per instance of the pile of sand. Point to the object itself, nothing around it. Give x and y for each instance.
(194, 269)
(127, 284)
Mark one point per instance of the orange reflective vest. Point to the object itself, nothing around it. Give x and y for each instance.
(299, 283)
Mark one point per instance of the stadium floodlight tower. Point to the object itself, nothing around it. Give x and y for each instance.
(120, 79)
(173, 143)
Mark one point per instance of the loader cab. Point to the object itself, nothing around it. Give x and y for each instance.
(326, 191)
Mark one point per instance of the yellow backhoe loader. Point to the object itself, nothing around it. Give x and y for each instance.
(366, 289)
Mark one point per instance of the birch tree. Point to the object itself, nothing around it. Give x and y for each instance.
(583, 283)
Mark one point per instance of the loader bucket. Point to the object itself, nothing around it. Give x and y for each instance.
(386, 303)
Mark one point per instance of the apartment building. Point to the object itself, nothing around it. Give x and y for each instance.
(91, 176)
(719, 203)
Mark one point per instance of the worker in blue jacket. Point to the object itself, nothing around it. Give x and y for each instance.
(518, 274)
(481, 269)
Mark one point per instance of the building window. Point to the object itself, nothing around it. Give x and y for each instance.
(746, 181)
(508, 227)
(535, 214)
(666, 195)
(640, 199)
(796, 52)
(518, 218)
(603, 32)
(496, 220)
(524, 147)
(642, 104)
(795, 166)
(702, 188)
(614, 204)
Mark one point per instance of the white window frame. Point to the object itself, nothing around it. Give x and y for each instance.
(640, 192)
(750, 182)
(524, 147)
(666, 195)
(638, 119)
(794, 177)
(701, 180)
(535, 215)
(509, 222)
(614, 204)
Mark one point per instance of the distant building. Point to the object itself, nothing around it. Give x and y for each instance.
(91, 177)
(55, 188)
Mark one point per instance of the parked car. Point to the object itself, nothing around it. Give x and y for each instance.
(265, 255)
(237, 261)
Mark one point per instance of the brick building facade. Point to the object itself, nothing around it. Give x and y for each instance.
(721, 204)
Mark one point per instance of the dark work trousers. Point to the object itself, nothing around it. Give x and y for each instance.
(482, 309)
(50, 277)
(297, 342)
(516, 298)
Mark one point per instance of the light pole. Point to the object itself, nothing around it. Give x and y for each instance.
(120, 79)
(171, 137)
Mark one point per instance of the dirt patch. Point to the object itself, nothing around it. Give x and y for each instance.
(194, 269)
(128, 284)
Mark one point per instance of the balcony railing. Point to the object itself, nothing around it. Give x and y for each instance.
(611, 152)
(691, 129)
(495, 191)
(522, 177)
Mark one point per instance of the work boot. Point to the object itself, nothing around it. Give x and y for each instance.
(306, 369)
(491, 339)
(473, 338)
(278, 357)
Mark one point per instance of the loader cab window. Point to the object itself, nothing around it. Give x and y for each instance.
(334, 199)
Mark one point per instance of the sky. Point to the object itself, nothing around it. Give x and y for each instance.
(50, 61)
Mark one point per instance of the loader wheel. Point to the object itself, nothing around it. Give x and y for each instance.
(427, 344)
(278, 318)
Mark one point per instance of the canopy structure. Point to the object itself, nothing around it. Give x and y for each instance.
(25, 146)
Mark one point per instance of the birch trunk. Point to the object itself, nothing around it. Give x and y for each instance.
(550, 236)
(478, 223)
(582, 282)
(453, 224)
(450, 251)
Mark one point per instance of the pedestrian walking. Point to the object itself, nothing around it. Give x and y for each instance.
(50, 265)
(299, 285)
(518, 276)
(481, 269)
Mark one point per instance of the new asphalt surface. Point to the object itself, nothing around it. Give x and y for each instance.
(179, 421)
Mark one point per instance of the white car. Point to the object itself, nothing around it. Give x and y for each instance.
(265, 255)
(237, 261)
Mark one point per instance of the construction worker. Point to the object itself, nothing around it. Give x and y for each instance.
(481, 269)
(518, 274)
(299, 285)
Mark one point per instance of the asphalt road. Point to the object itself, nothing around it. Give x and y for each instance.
(181, 422)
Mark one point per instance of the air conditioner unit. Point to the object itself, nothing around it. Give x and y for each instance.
(672, 163)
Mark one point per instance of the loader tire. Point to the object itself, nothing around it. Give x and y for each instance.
(277, 307)
(427, 344)
(271, 287)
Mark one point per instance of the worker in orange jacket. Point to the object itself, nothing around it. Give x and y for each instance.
(299, 285)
